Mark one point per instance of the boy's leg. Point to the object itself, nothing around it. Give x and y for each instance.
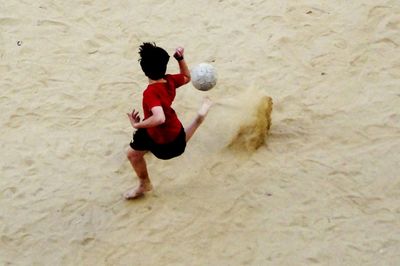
(136, 158)
(201, 114)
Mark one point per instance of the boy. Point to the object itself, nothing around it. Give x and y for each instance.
(160, 132)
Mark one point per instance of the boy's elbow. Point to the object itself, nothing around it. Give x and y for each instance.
(160, 119)
(158, 116)
(187, 79)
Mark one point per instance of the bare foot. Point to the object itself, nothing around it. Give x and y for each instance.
(205, 107)
(137, 192)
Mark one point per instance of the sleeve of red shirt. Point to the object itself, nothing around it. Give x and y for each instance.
(178, 79)
(151, 99)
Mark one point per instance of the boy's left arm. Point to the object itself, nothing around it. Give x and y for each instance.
(157, 118)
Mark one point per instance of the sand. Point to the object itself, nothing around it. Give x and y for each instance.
(322, 189)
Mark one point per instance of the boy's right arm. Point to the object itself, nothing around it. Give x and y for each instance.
(184, 70)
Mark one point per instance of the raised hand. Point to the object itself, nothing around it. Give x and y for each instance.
(179, 53)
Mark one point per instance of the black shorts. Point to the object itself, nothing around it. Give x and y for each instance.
(142, 142)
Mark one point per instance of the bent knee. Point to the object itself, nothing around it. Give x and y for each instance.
(133, 155)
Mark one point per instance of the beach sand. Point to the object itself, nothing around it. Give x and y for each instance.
(322, 189)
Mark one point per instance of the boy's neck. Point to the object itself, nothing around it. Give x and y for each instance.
(152, 81)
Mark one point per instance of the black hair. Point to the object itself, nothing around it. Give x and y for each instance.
(153, 60)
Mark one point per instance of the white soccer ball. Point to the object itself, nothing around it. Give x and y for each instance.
(204, 77)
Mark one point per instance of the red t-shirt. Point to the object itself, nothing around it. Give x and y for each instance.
(163, 94)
